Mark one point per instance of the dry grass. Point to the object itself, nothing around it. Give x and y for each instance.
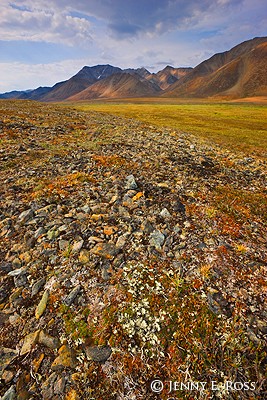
(242, 127)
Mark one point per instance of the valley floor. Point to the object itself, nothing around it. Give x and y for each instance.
(129, 252)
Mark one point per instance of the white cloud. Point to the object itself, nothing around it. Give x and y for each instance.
(48, 25)
(22, 76)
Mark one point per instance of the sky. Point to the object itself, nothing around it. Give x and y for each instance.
(43, 42)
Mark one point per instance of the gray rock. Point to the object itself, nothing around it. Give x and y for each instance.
(217, 303)
(86, 209)
(106, 250)
(165, 214)
(48, 386)
(10, 394)
(63, 244)
(6, 267)
(72, 295)
(156, 239)
(48, 340)
(52, 234)
(262, 326)
(59, 385)
(6, 357)
(77, 246)
(177, 229)
(130, 183)
(26, 216)
(147, 227)
(65, 359)
(29, 341)
(18, 271)
(20, 280)
(37, 286)
(39, 232)
(97, 353)
(4, 292)
(122, 240)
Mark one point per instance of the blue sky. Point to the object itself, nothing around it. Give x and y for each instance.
(43, 42)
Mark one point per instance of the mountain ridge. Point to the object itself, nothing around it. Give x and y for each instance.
(236, 73)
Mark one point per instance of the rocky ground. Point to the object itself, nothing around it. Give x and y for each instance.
(127, 253)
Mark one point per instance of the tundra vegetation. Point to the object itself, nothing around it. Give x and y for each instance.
(133, 248)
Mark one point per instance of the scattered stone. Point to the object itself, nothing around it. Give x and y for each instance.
(85, 225)
(37, 286)
(29, 341)
(37, 362)
(15, 294)
(77, 246)
(48, 340)
(84, 256)
(65, 359)
(262, 326)
(42, 305)
(63, 244)
(179, 207)
(72, 295)
(25, 216)
(39, 232)
(10, 394)
(157, 239)
(48, 386)
(106, 250)
(20, 280)
(7, 376)
(122, 240)
(6, 267)
(109, 230)
(6, 357)
(177, 229)
(52, 234)
(17, 272)
(97, 353)
(130, 183)
(165, 214)
(147, 227)
(217, 303)
(59, 385)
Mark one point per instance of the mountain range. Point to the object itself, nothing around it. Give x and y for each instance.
(239, 72)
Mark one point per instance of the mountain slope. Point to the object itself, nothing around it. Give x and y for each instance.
(35, 94)
(117, 86)
(239, 72)
(84, 78)
(168, 76)
(14, 94)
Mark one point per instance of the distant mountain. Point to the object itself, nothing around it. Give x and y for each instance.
(77, 83)
(35, 94)
(15, 94)
(142, 72)
(168, 76)
(239, 72)
(120, 85)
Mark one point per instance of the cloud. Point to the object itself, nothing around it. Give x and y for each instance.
(70, 22)
(27, 22)
(32, 73)
(32, 19)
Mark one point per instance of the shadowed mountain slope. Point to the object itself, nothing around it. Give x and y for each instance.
(118, 86)
(84, 78)
(168, 76)
(239, 72)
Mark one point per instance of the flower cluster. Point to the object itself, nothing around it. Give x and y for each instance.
(139, 319)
